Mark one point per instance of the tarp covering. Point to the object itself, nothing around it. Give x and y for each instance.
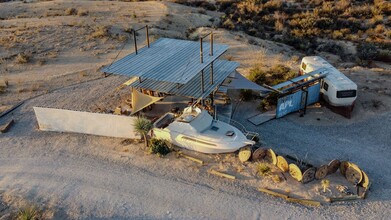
(51, 119)
(140, 100)
(241, 82)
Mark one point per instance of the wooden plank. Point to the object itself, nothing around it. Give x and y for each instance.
(191, 158)
(217, 173)
(273, 193)
(306, 202)
(4, 128)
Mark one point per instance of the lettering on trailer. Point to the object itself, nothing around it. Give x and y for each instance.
(294, 102)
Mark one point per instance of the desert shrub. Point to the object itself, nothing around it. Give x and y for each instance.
(100, 32)
(159, 146)
(366, 51)
(82, 12)
(263, 169)
(22, 58)
(246, 94)
(70, 11)
(331, 47)
(229, 24)
(29, 213)
(384, 56)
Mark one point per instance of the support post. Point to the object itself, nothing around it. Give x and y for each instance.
(211, 44)
(211, 73)
(202, 81)
(135, 41)
(146, 28)
(201, 52)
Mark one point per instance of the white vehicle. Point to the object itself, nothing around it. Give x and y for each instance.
(337, 89)
(196, 130)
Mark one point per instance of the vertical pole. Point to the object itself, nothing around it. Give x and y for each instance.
(211, 43)
(202, 81)
(201, 52)
(135, 41)
(146, 27)
(211, 73)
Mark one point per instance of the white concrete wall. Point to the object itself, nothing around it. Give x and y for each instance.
(50, 119)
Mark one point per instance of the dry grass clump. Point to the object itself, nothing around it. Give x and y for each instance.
(82, 12)
(100, 32)
(263, 169)
(70, 11)
(22, 58)
(29, 213)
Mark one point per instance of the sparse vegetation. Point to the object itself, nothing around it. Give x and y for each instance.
(276, 74)
(142, 126)
(29, 213)
(158, 146)
(22, 58)
(367, 52)
(263, 169)
(71, 11)
(302, 24)
(100, 32)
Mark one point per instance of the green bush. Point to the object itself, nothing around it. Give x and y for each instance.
(159, 146)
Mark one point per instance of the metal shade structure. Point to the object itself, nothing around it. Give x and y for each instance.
(192, 89)
(167, 60)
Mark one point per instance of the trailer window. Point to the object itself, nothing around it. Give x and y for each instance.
(325, 86)
(303, 65)
(346, 93)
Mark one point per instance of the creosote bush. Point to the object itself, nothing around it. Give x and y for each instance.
(159, 146)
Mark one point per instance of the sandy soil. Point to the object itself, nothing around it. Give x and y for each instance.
(79, 176)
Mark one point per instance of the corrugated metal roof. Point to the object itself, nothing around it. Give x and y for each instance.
(222, 69)
(168, 60)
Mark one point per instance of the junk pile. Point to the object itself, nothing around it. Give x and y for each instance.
(304, 172)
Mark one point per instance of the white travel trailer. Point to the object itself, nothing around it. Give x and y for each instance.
(196, 130)
(336, 89)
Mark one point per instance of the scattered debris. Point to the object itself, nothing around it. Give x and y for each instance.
(190, 158)
(344, 189)
(4, 128)
(217, 173)
(306, 202)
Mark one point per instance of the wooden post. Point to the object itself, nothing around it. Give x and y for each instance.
(201, 52)
(202, 81)
(146, 28)
(211, 73)
(211, 44)
(135, 41)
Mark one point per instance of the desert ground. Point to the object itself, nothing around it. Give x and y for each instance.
(77, 176)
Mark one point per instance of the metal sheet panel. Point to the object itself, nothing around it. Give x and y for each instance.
(313, 94)
(51, 119)
(288, 104)
(169, 60)
(222, 69)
